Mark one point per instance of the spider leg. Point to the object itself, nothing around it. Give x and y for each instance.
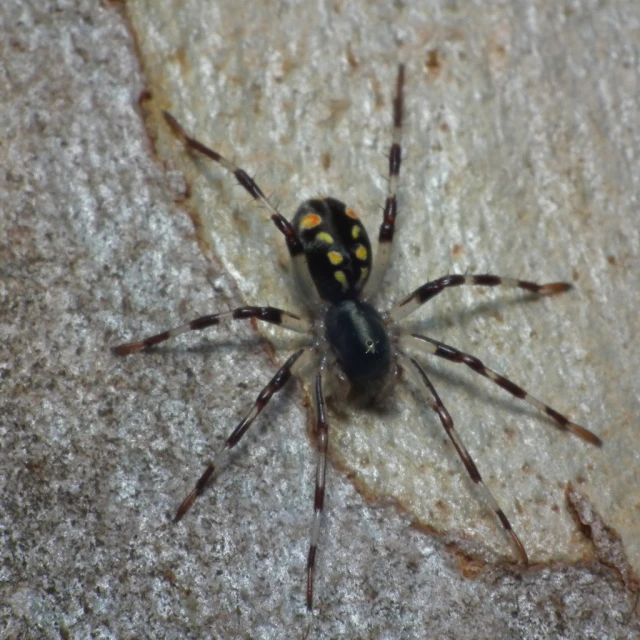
(275, 384)
(447, 352)
(431, 289)
(387, 228)
(294, 245)
(266, 314)
(472, 470)
(322, 435)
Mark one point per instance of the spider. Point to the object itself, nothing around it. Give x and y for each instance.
(351, 344)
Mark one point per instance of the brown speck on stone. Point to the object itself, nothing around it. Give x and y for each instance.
(351, 59)
(433, 63)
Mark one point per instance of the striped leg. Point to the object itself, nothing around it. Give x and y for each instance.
(294, 244)
(322, 435)
(472, 470)
(266, 314)
(431, 289)
(387, 228)
(275, 384)
(449, 353)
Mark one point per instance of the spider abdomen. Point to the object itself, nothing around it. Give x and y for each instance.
(359, 338)
(336, 246)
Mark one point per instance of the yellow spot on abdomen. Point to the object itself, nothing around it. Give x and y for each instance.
(323, 236)
(335, 257)
(361, 252)
(310, 221)
(342, 279)
(355, 231)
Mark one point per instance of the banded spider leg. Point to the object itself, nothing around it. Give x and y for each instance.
(387, 227)
(433, 347)
(294, 245)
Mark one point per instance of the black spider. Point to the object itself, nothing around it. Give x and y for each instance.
(348, 338)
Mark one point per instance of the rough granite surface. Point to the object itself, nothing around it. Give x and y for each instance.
(521, 153)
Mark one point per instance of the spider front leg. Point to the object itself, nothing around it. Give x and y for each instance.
(447, 422)
(447, 352)
(431, 289)
(387, 228)
(275, 384)
(296, 250)
(322, 438)
(266, 314)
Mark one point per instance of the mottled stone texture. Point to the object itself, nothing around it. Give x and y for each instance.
(521, 158)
